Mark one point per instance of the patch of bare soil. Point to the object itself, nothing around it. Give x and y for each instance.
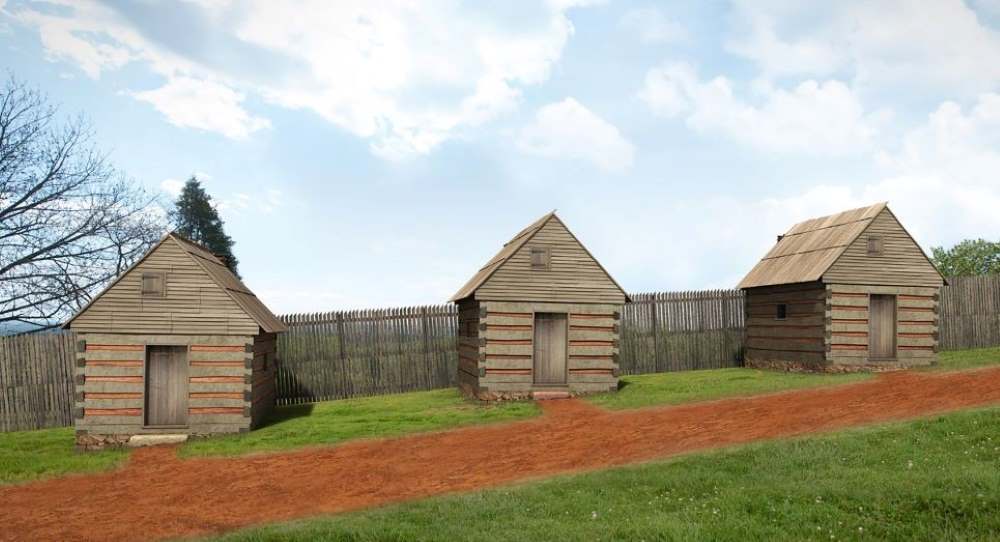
(158, 496)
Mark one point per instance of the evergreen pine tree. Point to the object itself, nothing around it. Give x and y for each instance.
(196, 218)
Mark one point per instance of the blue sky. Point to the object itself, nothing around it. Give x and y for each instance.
(378, 153)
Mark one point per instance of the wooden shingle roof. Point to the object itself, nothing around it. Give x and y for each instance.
(219, 273)
(810, 247)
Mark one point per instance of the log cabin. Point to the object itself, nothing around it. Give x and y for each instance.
(540, 319)
(849, 291)
(176, 345)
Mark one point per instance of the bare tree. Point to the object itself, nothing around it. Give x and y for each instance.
(69, 222)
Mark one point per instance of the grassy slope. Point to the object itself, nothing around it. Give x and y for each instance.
(28, 455)
(335, 421)
(687, 386)
(934, 479)
(683, 387)
(966, 359)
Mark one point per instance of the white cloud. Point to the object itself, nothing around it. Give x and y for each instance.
(652, 26)
(942, 182)
(813, 117)
(953, 143)
(95, 38)
(569, 130)
(172, 186)
(265, 201)
(205, 105)
(406, 77)
(897, 43)
(368, 70)
(272, 200)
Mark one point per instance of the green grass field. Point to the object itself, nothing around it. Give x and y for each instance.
(933, 479)
(957, 360)
(332, 422)
(29, 455)
(687, 386)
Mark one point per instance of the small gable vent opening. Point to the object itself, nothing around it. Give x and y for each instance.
(154, 284)
(875, 245)
(540, 258)
(781, 311)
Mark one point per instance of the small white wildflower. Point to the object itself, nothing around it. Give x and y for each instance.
(593, 515)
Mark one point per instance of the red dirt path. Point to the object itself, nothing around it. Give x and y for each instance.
(158, 496)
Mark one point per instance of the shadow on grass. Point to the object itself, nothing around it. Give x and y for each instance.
(622, 384)
(289, 412)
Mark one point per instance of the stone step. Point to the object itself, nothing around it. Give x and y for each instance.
(138, 441)
(544, 395)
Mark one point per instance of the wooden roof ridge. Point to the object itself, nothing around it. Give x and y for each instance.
(511, 247)
(816, 253)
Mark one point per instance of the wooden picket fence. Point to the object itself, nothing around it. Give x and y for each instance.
(970, 313)
(36, 381)
(335, 355)
(681, 331)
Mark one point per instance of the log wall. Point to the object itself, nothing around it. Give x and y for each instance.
(468, 346)
(505, 347)
(796, 341)
(848, 331)
(265, 367)
(109, 397)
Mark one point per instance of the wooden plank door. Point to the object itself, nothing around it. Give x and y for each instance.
(550, 349)
(882, 327)
(166, 385)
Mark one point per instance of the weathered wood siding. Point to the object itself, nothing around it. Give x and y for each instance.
(110, 387)
(36, 381)
(901, 264)
(680, 331)
(970, 312)
(506, 332)
(849, 326)
(574, 276)
(265, 367)
(193, 302)
(798, 339)
(335, 355)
